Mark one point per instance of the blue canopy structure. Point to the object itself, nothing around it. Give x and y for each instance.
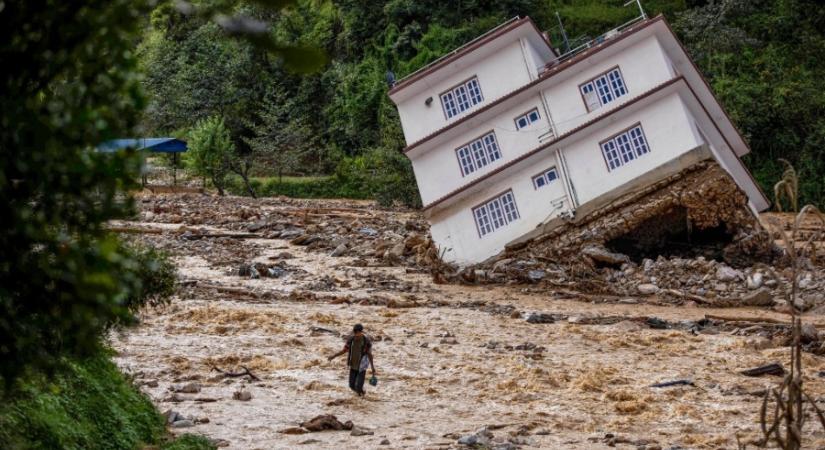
(157, 145)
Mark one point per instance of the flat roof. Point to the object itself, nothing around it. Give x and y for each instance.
(467, 48)
(156, 145)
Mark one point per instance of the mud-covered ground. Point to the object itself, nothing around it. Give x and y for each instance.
(451, 359)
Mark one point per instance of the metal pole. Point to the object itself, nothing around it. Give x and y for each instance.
(563, 34)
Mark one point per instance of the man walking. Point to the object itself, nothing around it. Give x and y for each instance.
(359, 349)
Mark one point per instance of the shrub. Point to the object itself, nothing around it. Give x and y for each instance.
(156, 274)
(90, 405)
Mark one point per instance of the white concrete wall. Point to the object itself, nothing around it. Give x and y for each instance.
(669, 131)
(499, 74)
(643, 66)
(438, 172)
(454, 228)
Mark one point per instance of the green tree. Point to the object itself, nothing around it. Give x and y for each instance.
(68, 83)
(211, 151)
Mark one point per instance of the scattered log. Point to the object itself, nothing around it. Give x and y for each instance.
(135, 230)
(747, 319)
(246, 372)
(770, 369)
(673, 383)
(195, 237)
(689, 296)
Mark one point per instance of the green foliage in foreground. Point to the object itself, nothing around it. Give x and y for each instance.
(90, 406)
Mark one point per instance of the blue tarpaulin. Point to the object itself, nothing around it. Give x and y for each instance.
(158, 145)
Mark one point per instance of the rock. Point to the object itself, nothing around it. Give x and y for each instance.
(188, 388)
(449, 341)
(755, 281)
(647, 289)
(501, 263)
(806, 282)
(339, 251)
(536, 275)
(358, 431)
(397, 251)
(480, 438)
(760, 297)
(601, 254)
(242, 395)
(293, 430)
(725, 273)
(385, 442)
(504, 446)
(151, 383)
(291, 233)
(809, 333)
(367, 231)
(275, 272)
(647, 265)
(326, 422)
(172, 416)
(220, 443)
(186, 423)
(540, 318)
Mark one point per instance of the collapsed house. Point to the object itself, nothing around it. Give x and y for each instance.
(619, 143)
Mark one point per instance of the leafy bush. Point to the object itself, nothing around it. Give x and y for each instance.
(90, 405)
(380, 174)
(156, 273)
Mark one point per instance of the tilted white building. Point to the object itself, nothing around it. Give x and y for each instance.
(504, 135)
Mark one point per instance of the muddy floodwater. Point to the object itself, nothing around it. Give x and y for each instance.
(450, 359)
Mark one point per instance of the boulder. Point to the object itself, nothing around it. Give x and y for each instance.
(242, 395)
(755, 281)
(725, 273)
(480, 438)
(339, 251)
(358, 431)
(647, 289)
(326, 422)
(602, 255)
(759, 297)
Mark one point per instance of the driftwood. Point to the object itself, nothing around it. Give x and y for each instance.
(689, 296)
(770, 369)
(246, 372)
(135, 230)
(195, 237)
(754, 320)
(673, 383)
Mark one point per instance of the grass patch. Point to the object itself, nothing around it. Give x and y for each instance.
(88, 405)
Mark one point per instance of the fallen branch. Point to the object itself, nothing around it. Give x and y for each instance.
(195, 237)
(694, 297)
(747, 319)
(135, 230)
(246, 372)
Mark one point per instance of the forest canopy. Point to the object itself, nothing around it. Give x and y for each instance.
(762, 59)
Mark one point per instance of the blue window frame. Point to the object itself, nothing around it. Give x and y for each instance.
(478, 153)
(603, 89)
(624, 147)
(545, 178)
(495, 213)
(461, 98)
(527, 118)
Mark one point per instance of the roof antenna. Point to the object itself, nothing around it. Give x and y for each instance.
(563, 34)
(639, 4)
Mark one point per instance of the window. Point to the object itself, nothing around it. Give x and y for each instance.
(624, 147)
(603, 89)
(461, 97)
(544, 178)
(495, 213)
(477, 154)
(527, 119)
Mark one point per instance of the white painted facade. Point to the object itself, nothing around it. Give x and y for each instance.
(664, 94)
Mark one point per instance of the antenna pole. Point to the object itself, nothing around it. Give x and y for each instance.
(639, 4)
(563, 34)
